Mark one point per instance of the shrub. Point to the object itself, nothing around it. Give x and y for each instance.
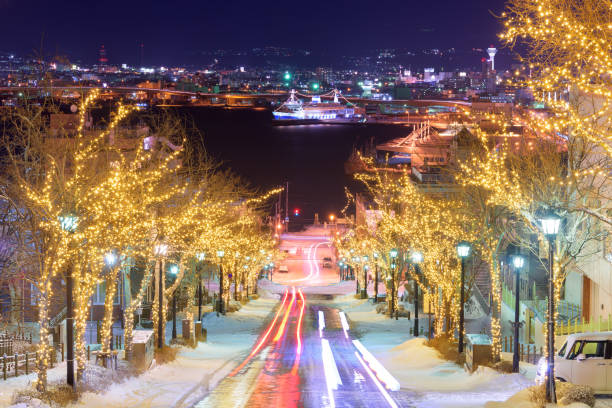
(567, 393)
(166, 354)
(56, 395)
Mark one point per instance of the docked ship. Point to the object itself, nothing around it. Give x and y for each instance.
(294, 111)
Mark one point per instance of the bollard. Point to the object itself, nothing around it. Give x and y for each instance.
(27, 367)
(522, 353)
(4, 367)
(204, 335)
(88, 352)
(62, 351)
(16, 364)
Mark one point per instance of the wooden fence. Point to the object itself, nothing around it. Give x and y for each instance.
(17, 364)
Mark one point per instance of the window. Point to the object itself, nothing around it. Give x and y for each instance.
(33, 295)
(609, 350)
(574, 350)
(593, 349)
(99, 296)
(562, 351)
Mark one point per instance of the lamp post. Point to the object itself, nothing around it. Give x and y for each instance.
(356, 261)
(174, 270)
(364, 290)
(160, 250)
(463, 251)
(417, 258)
(375, 255)
(517, 261)
(110, 259)
(550, 227)
(69, 224)
(392, 255)
(200, 257)
(220, 308)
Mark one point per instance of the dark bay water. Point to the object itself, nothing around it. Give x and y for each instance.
(310, 157)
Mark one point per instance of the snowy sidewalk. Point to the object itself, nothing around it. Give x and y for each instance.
(182, 382)
(436, 383)
(195, 372)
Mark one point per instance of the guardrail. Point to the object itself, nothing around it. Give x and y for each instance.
(581, 325)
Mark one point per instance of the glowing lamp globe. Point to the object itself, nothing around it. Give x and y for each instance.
(417, 257)
(220, 253)
(110, 259)
(463, 250)
(518, 261)
(550, 225)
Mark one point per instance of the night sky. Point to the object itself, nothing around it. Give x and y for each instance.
(173, 32)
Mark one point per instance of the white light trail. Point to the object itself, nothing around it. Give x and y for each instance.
(381, 372)
(321, 323)
(332, 376)
(345, 325)
(378, 384)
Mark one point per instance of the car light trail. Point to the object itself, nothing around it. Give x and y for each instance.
(298, 330)
(332, 376)
(321, 323)
(345, 325)
(298, 335)
(381, 372)
(378, 384)
(281, 328)
(263, 339)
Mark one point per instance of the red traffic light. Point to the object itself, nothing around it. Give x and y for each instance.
(296, 212)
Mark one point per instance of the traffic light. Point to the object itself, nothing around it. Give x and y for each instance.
(296, 212)
(287, 76)
(315, 86)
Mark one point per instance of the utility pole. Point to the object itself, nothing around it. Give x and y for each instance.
(287, 208)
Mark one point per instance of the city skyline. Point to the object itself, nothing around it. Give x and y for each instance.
(187, 34)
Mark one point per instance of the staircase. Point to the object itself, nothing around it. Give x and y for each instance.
(482, 281)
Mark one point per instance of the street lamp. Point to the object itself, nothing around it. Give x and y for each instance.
(364, 290)
(417, 258)
(375, 255)
(463, 250)
(393, 255)
(517, 261)
(220, 308)
(68, 223)
(160, 250)
(356, 261)
(200, 256)
(550, 224)
(174, 270)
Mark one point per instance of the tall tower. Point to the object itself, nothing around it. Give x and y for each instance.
(102, 59)
(492, 51)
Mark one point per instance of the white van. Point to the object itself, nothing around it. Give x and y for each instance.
(584, 358)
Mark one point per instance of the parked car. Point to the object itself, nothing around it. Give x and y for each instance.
(327, 264)
(283, 269)
(584, 358)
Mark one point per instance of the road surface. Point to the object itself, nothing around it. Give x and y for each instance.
(306, 356)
